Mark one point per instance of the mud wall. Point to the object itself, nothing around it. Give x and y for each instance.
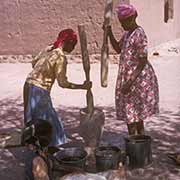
(28, 25)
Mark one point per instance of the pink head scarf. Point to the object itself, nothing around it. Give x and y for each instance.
(65, 35)
(125, 10)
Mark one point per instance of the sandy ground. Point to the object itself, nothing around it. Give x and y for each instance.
(164, 128)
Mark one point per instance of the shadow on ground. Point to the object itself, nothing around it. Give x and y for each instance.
(164, 130)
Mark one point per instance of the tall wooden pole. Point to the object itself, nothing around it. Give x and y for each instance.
(105, 50)
(86, 66)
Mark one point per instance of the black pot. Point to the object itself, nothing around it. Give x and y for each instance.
(107, 157)
(138, 149)
(72, 157)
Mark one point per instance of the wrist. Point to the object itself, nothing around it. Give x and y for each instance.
(81, 86)
(72, 86)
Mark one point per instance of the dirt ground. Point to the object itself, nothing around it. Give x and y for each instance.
(163, 128)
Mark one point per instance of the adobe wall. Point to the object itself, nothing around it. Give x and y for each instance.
(26, 26)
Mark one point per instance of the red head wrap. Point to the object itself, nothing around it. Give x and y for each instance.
(65, 35)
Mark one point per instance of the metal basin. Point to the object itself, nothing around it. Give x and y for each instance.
(72, 156)
(107, 157)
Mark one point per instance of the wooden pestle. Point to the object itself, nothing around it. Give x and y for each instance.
(86, 67)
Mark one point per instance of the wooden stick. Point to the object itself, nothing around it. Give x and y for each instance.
(86, 66)
(105, 50)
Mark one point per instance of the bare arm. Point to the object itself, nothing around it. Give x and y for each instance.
(115, 44)
(60, 70)
(40, 169)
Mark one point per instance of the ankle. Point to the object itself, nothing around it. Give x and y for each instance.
(132, 130)
(140, 128)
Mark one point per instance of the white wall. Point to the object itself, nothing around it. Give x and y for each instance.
(151, 18)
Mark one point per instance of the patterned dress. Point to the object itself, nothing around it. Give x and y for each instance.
(143, 99)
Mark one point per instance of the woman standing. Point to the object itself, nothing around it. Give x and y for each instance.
(137, 94)
(48, 65)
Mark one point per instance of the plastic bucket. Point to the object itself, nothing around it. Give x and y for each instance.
(107, 157)
(138, 150)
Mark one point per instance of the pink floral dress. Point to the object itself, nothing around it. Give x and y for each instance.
(143, 99)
